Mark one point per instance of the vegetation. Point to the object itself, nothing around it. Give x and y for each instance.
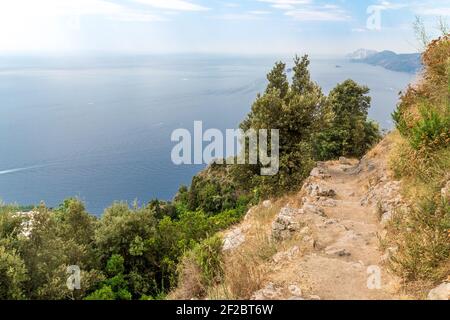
(422, 161)
(142, 252)
(312, 127)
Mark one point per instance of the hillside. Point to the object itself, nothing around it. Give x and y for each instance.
(325, 237)
(327, 241)
(375, 228)
(390, 60)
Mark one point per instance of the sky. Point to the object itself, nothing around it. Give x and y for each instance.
(213, 26)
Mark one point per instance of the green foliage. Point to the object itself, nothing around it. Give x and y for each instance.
(301, 82)
(115, 287)
(278, 81)
(422, 160)
(425, 246)
(432, 131)
(208, 257)
(142, 252)
(312, 127)
(347, 132)
(13, 274)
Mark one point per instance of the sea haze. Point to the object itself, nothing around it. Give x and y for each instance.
(99, 128)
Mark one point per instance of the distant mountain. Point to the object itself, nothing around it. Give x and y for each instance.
(390, 60)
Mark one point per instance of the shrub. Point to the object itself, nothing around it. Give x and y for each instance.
(424, 247)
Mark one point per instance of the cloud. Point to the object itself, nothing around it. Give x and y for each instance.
(177, 5)
(251, 15)
(26, 9)
(308, 10)
(423, 7)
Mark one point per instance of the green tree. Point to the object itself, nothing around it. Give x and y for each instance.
(301, 81)
(13, 275)
(278, 80)
(347, 133)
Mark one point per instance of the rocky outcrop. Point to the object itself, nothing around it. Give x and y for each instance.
(285, 224)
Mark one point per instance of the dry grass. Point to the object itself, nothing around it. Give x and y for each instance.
(245, 268)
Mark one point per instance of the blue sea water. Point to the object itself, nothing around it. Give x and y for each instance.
(99, 128)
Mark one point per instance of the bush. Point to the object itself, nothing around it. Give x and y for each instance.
(200, 268)
(425, 247)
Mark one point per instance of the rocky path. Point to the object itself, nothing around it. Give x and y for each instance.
(333, 231)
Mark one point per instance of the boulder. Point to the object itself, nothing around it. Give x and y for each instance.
(440, 293)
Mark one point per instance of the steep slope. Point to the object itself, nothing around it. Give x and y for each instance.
(327, 237)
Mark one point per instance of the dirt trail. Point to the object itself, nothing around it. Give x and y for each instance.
(347, 245)
(333, 231)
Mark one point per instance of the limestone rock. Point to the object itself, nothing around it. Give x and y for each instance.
(286, 255)
(316, 190)
(319, 173)
(285, 225)
(309, 208)
(233, 239)
(440, 293)
(269, 292)
(295, 290)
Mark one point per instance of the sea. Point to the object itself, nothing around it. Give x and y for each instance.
(99, 127)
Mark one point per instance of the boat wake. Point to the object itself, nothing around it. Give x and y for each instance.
(20, 169)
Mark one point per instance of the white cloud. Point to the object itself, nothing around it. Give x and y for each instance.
(317, 15)
(54, 25)
(423, 7)
(307, 10)
(177, 5)
(436, 11)
(19, 9)
(259, 12)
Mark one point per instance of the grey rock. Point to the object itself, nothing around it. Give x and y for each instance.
(233, 239)
(344, 161)
(295, 290)
(337, 252)
(440, 293)
(269, 292)
(309, 208)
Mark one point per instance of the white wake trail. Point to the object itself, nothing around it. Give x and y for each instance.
(19, 169)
